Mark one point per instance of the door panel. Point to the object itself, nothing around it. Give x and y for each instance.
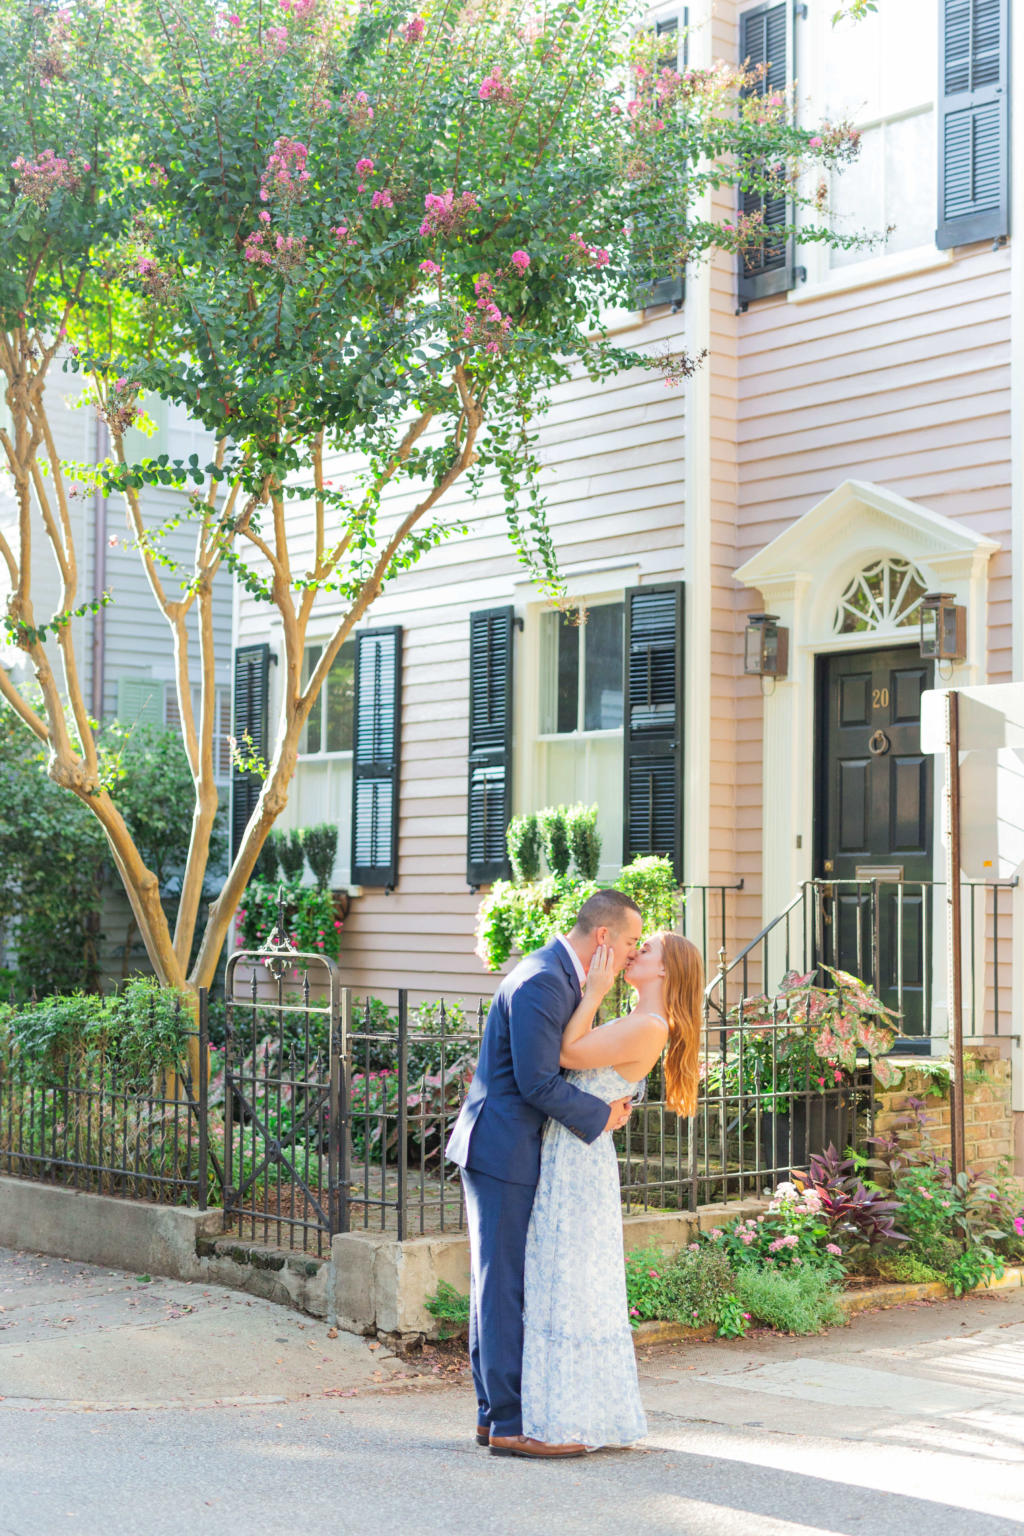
(874, 809)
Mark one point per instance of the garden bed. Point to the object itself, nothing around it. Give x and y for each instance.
(863, 1293)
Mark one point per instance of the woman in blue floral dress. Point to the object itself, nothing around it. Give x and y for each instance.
(579, 1380)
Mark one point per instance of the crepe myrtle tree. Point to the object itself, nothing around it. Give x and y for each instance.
(326, 227)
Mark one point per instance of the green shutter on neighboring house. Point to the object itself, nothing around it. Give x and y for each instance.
(766, 37)
(376, 756)
(140, 701)
(252, 675)
(974, 121)
(490, 743)
(653, 734)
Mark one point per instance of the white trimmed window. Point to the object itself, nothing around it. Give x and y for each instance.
(879, 73)
(322, 788)
(579, 740)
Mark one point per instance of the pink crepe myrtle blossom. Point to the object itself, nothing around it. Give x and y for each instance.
(586, 255)
(48, 173)
(431, 268)
(494, 87)
(446, 213)
(285, 174)
(815, 142)
(300, 9)
(278, 37)
(364, 167)
(521, 261)
(382, 199)
(413, 30)
(356, 108)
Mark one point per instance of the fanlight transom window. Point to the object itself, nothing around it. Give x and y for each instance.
(884, 595)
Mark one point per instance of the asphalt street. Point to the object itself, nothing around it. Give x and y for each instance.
(139, 1407)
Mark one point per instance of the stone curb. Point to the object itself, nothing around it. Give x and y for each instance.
(879, 1297)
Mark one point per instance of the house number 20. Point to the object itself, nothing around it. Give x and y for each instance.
(879, 698)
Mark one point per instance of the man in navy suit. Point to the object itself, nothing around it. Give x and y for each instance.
(496, 1141)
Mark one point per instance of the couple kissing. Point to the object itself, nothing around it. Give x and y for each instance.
(550, 1344)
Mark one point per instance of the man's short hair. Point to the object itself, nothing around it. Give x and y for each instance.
(605, 909)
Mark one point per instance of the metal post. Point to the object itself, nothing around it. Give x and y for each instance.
(339, 1163)
(204, 1093)
(403, 1098)
(954, 933)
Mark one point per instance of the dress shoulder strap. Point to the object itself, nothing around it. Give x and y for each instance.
(659, 1018)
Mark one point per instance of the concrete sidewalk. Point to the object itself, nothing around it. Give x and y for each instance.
(78, 1335)
(135, 1408)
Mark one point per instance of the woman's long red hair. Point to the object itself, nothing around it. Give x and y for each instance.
(684, 1000)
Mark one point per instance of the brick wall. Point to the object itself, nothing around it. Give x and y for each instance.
(988, 1118)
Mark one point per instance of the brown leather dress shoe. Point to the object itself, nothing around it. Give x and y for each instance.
(535, 1450)
(483, 1434)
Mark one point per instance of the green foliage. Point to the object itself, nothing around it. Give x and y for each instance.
(976, 1265)
(52, 863)
(134, 1034)
(584, 840)
(791, 1234)
(451, 1308)
(149, 773)
(802, 1300)
(555, 830)
(688, 1287)
(291, 855)
(524, 917)
(650, 881)
(309, 917)
(321, 847)
(906, 1268)
(523, 841)
(733, 1322)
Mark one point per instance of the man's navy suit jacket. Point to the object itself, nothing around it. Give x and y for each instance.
(518, 1084)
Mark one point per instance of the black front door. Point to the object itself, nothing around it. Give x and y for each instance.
(874, 824)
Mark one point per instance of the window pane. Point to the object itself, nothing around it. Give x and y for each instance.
(312, 735)
(567, 709)
(339, 689)
(602, 676)
(857, 201)
(910, 181)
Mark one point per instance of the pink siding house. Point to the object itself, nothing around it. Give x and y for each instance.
(854, 441)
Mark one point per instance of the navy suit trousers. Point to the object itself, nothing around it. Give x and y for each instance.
(498, 1214)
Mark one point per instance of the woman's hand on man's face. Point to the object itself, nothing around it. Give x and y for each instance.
(601, 973)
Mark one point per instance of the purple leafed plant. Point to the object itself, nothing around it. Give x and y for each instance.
(846, 1202)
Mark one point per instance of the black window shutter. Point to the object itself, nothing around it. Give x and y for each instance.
(653, 734)
(252, 672)
(766, 37)
(670, 289)
(974, 121)
(490, 743)
(376, 756)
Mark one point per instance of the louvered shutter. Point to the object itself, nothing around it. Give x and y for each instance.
(140, 701)
(670, 289)
(252, 673)
(766, 37)
(974, 121)
(490, 743)
(376, 754)
(653, 734)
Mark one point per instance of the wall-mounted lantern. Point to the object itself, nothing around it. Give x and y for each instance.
(766, 646)
(943, 627)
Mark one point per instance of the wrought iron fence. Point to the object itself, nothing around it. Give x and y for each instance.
(78, 1118)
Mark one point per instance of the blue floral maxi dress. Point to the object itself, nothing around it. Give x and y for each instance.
(579, 1367)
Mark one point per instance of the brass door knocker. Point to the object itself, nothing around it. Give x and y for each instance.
(879, 744)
